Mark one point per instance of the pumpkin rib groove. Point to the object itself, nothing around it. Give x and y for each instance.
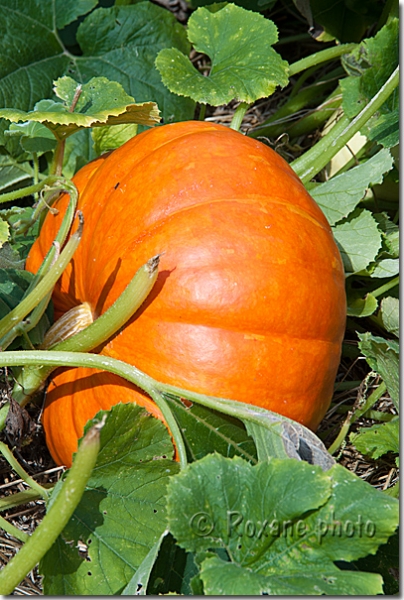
(253, 201)
(273, 334)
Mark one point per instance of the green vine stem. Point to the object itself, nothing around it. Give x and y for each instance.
(355, 415)
(386, 287)
(25, 326)
(45, 286)
(51, 180)
(319, 57)
(239, 410)
(58, 515)
(283, 121)
(12, 530)
(311, 162)
(99, 331)
(24, 497)
(15, 465)
(239, 116)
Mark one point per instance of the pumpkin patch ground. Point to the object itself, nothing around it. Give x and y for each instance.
(246, 249)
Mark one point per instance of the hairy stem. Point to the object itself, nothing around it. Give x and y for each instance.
(58, 515)
(15, 465)
(99, 331)
(315, 159)
(319, 57)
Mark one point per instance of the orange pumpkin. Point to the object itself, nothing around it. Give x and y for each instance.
(249, 303)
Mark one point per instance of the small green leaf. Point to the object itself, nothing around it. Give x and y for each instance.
(108, 138)
(341, 194)
(358, 239)
(383, 357)
(99, 102)
(13, 172)
(4, 232)
(389, 267)
(378, 440)
(390, 314)
(121, 515)
(34, 137)
(244, 66)
(360, 307)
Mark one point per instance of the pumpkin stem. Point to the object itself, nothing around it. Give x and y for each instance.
(74, 320)
(96, 333)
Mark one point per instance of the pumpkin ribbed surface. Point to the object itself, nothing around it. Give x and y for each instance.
(249, 303)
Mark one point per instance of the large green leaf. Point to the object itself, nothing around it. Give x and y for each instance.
(278, 527)
(119, 43)
(121, 515)
(208, 431)
(244, 66)
(98, 102)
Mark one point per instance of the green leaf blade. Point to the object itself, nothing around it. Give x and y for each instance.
(121, 515)
(341, 194)
(244, 66)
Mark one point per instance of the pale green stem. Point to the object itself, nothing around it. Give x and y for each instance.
(202, 111)
(239, 116)
(12, 530)
(354, 416)
(24, 327)
(99, 331)
(57, 517)
(19, 498)
(239, 410)
(43, 288)
(15, 465)
(315, 159)
(171, 424)
(319, 57)
(386, 287)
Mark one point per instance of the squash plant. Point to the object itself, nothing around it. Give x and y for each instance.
(264, 506)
